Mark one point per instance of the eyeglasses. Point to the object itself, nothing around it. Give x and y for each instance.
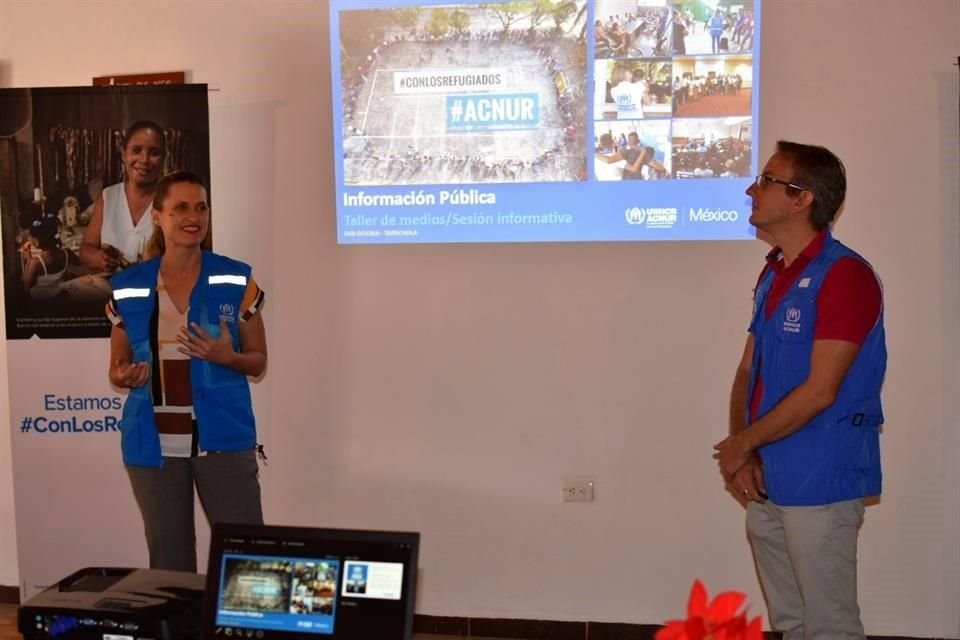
(762, 180)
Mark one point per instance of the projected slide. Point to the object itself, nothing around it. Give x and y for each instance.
(543, 120)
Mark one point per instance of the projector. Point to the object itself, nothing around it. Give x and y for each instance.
(116, 604)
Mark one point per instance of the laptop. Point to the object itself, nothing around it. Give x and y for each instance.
(297, 583)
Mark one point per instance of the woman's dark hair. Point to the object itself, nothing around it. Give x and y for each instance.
(156, 245)
(46, 229)
(823, 174)
(144, 125)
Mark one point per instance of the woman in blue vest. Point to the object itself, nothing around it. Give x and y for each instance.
(716, 29)
(187, 332)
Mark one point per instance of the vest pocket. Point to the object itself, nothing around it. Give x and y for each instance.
(224, 303)
(793, 329)
(225, 418)
(826, 461)
(792, 362)
(139, 441)
(858, 473)
(801, 468)
(136, 320)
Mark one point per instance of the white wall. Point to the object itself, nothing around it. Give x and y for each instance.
(447, 389)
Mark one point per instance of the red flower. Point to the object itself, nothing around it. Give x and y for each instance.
(717, 620)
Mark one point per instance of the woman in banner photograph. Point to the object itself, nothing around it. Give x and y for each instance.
(46, 261)
(187, 331)
(120, 225)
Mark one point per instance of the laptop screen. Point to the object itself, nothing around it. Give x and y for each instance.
(288, 583)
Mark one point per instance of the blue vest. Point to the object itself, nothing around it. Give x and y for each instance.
(836, 456)
(716, 25)
(221, 396)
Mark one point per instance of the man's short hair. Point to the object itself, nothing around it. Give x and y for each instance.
(822, 172)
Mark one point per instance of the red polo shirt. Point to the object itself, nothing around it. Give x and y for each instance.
(848, 303)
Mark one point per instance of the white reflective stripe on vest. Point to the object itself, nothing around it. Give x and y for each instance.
(130, 292)
(241, 280)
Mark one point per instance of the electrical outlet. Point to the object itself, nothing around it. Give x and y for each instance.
(577, 490)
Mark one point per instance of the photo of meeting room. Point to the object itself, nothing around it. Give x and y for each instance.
(314, 587)
(704, 87)
(632, 89)
(631, 29)
(712, 27)
(715, 148)
(77, 170)
(632, 150)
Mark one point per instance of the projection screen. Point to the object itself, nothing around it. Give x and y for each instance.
(544, 120)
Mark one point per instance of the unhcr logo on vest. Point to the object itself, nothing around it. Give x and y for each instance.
(792, 322)
(227, 312)
(652, 217)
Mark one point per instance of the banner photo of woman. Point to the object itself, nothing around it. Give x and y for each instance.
(78, 166)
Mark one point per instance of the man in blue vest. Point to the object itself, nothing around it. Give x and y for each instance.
(805, 411)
